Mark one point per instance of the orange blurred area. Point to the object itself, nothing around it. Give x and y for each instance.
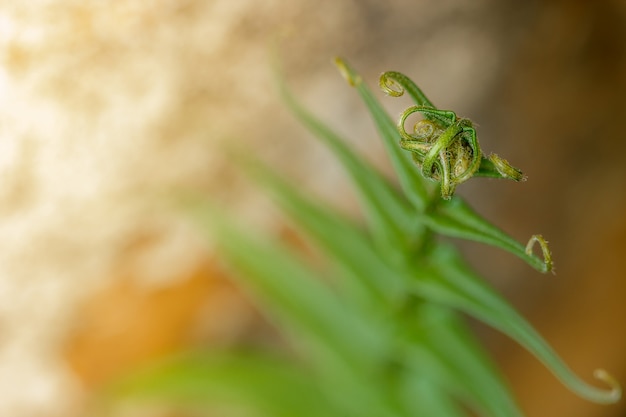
(125, 326)
(109, 109)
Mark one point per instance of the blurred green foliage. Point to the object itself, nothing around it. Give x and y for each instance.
(377, 331)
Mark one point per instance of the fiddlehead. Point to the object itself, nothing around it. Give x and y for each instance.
(545, 250)
(396, 84)
(423, 131)
(443, 145)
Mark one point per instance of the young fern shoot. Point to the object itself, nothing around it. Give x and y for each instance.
(442, 144)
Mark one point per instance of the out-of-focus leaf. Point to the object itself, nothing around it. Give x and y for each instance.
(367, 276)
(382, 205)
(455, 218)
(262, 385)
(455, 285)
(471, 370)
(313, 313)
(348, 345)
(425, 398)
(413, 184)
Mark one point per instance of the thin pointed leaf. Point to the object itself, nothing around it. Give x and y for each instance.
(297, 297)
(348, 345)
(454, 285)
(427, 399)
(488, 169)
(456, 219)
(412, 183)
(424, 359)
(383, 207)
(439, 349)
(263, 385)
(453, 345)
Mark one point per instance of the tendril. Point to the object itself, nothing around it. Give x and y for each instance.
(390, 86)
(402, 121)
(474, 162)
(424, 129)
(615, 392)
(547, 256)
(396, 84)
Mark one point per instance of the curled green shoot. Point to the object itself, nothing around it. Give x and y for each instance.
(443, 145)
(395, 84)
(545, 250)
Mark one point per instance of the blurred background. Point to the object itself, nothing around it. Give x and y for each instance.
(109, 107)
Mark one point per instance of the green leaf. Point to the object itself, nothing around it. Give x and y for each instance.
(382, 204)
(488, 169)
(425, 398)
(261, 384)
(413, 184)
(366, 276)
(453, 284)
(439, 348)
(472, 372)
(456, 219)
(313, 314)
